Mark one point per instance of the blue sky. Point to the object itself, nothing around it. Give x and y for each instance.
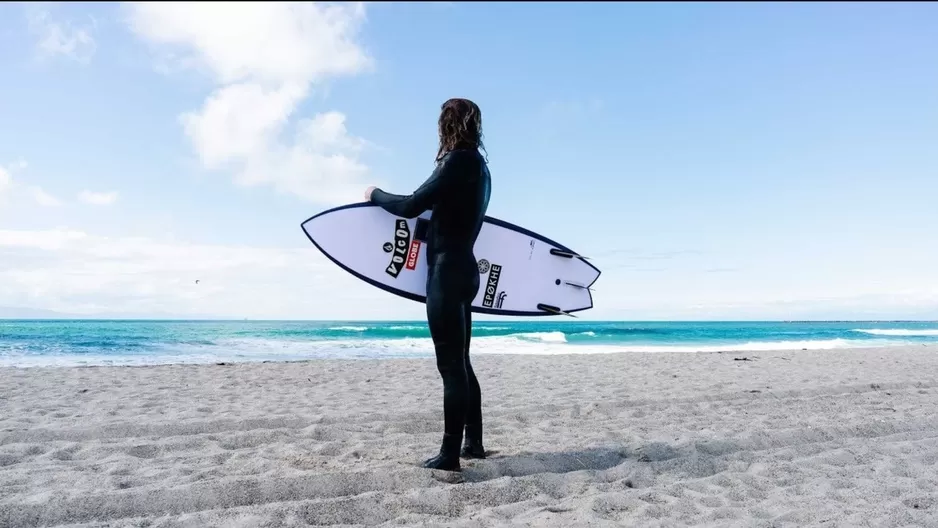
(718, 161)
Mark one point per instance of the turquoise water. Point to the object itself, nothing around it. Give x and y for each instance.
(38, 343)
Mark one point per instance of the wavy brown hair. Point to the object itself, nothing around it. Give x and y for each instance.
(460, 127)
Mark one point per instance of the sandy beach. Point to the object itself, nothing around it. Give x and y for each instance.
(843, 438)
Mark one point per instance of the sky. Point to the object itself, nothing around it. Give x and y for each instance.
(716, 161)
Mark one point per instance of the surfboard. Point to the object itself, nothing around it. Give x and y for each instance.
(522, 273)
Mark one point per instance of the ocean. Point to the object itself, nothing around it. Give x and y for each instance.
(25, 343)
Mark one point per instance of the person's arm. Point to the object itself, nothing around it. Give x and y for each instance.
(419, 201)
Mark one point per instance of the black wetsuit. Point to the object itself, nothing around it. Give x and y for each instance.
(458, 193)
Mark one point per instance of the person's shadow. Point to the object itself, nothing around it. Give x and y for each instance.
(693, 460)
(496, 466)
(696, 459)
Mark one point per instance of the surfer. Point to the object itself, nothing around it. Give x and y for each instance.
(458, 194)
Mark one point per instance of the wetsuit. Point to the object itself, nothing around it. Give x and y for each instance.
(458, 193)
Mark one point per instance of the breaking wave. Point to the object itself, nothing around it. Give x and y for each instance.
(898, 332)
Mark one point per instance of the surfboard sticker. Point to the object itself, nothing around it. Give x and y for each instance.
(399, 248)
(413, 254)
(491, 285)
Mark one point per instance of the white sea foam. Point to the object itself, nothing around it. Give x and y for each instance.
(87, 360)
(544, 337)
(510, 345)
(898, 332)
(424, 327)
(260, 349)
(349, 328)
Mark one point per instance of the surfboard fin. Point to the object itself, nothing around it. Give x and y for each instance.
(554, 309)
(566, 254)
(578, 285)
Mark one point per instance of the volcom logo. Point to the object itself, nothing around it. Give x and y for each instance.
(500, 299)
(388, 247)
(491, 285)
(483, 267)
(401, 242)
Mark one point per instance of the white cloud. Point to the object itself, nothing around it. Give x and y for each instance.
(802, 288)
(893, 305)
(10, 188)
(42, 197)
(265, 58)
(6, 181)
(63, 38)
(98, 198)
(76, 272)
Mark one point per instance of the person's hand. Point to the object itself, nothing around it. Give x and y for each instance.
(368, 192)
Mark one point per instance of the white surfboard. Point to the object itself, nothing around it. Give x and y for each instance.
(521, 272)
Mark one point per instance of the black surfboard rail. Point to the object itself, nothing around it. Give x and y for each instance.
(474, 309)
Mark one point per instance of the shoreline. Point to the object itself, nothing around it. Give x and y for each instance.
(841, 438)
(481, 320)
(41, 344)
(740, 350)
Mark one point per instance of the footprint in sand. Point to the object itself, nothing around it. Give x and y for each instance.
(144, 451)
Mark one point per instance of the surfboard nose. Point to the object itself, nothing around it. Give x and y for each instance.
(309, 227)
(329, 227)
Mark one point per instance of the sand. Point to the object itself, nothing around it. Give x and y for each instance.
(844, 438)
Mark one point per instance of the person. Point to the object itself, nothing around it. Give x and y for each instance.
(458, 193)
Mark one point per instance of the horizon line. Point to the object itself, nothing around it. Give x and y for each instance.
(517, 319)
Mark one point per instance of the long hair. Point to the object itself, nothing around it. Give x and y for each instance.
(460, 127)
